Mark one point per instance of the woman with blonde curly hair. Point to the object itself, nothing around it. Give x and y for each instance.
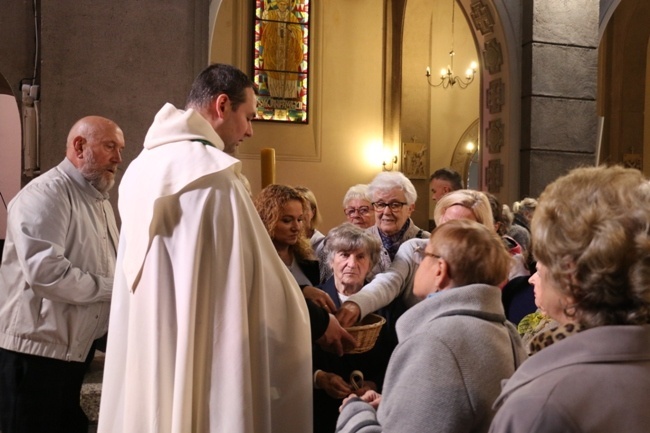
(313, 218)
(591, 239)
(282, 210)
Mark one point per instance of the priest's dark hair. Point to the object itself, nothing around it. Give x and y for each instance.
(216, 79)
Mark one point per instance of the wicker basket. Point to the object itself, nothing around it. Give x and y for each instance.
(366, 332)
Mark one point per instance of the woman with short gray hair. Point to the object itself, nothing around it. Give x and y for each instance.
(357, 206)
(393, 200)
(351, 253)
(348, 237)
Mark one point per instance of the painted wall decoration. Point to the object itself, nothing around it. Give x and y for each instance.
(281, 59)
(495, 135)
(492, 56)
(414, 160)
(496, 96)
(494, 175)
(482, 17)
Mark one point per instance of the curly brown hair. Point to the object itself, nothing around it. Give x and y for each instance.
(592, 231)
(269, 204)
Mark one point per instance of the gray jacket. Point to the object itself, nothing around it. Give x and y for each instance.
(395, 281)
(454, 350)
(56, 276)
(595, 381)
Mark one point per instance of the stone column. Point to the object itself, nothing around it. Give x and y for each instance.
(559, 73)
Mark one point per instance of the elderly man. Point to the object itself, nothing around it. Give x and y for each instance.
(56, 280)
(393, 200)
(209, 331)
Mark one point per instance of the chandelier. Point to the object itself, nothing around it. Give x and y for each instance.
(447, 76)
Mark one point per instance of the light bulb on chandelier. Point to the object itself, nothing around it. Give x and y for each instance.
(447, 76)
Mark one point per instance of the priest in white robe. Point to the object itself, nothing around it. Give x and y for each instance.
(208, 331)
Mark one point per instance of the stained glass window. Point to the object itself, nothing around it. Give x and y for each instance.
(281, 59)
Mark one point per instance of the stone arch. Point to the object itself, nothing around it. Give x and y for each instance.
(607, 8)
(495, 27)
(496, 33)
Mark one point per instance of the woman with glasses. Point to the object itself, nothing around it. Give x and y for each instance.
(397, 281)
(393, 201)
(357, 207)
(455, 347)
(358, 211)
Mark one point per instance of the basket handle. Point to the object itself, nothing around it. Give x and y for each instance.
(356, 380)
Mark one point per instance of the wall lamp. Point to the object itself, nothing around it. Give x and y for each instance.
(388, 166)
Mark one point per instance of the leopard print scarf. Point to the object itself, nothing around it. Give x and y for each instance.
(548, 336)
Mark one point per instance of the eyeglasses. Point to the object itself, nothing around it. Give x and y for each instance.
(394, 205)
(420, 253)
(363, 211)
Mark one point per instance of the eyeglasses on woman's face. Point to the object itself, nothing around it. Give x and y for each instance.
(361, 210)
(420, 253)
(394, 206)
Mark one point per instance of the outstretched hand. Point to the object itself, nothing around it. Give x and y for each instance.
(348, 314)
(336, 339)
(319, 297)
(333, 384)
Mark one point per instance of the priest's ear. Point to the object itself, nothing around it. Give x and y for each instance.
(221, 105)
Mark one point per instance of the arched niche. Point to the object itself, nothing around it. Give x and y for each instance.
(495, 30)
(436, 116)
(465, 159)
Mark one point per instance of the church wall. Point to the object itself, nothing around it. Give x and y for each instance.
(121, 60)
(342, 145)
(16, 43)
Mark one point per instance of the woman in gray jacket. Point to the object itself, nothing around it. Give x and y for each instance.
(454, 347)
(592, 245)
